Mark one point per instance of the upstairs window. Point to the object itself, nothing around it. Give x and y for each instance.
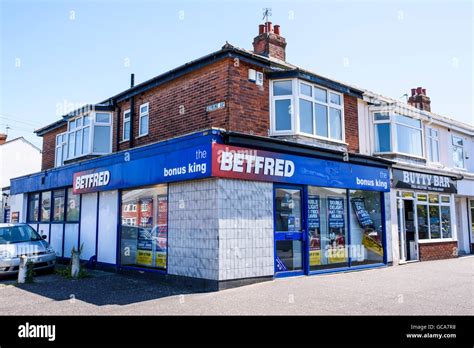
(90, 134)
(382, 132)
(458, 152)
(126, 125)
(319, 110)
(397, 133)
(143, 123)
(432, 144)
(409, 137)
(61, 149)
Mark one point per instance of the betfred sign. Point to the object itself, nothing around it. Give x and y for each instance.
(406, 179)
(238, 162)
(258, 165)
(90, 181)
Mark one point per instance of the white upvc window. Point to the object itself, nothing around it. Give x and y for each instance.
(143, 120)
(126, 125)
(397, 133)
(458, 152)
(61, 149)
(319, 111)
(88, 134)
(432, 136)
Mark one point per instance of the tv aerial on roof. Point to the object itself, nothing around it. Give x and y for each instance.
(267, 12)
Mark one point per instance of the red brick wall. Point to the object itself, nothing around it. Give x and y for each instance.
(249, 103)
(438, 251)
(179, 107)
(351, 123)
(49, 147)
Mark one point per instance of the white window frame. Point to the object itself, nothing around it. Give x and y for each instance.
(73, 130)
(453, 147)
(431, 140)
(295, 121)
(141, 115)
(393, 132)
(126, 119)
(63, 145)
(273, 99)
(440, 204)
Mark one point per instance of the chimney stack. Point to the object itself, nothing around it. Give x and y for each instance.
(3, 138)
(419, 99)
(269, 43)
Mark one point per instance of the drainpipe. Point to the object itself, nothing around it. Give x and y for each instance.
(117, 126)
(132, 110)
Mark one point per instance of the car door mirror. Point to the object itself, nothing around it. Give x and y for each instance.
(44, 236)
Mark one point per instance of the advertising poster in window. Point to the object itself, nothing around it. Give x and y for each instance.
(162, 231)
(15, 217)
(337, 242)
(370, 238)
(314, 230)
(144, 247)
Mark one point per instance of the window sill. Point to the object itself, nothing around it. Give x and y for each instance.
(316, 137)
(141, 136)
(437, 240)
(124, 141)
(395, 153)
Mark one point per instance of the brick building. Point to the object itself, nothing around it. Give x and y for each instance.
(251, 168)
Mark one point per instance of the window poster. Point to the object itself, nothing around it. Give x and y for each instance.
(336, 247)
(144, 247)
(363, 217)
(314, 230)
(162, 231)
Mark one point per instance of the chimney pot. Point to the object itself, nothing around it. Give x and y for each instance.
(423, 90)
(418, 90)
(276, 29)
(3, 138)
(261, 29)
(413, 92)
(269, 27)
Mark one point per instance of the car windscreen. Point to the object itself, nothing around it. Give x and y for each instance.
(18, 234)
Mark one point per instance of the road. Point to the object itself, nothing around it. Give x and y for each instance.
(426, 288)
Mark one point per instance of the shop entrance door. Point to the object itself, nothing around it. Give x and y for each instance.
(407, 230)
(290, 233)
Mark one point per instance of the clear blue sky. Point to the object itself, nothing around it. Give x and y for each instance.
(55, 53)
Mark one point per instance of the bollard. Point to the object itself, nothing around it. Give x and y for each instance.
(22, 269)
(75, 263)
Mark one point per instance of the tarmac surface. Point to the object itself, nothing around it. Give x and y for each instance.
(443, 287)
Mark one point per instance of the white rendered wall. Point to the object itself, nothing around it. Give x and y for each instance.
(107, 245)
(88, 224)
(71, 235)
(56, 239)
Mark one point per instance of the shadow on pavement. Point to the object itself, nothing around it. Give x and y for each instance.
(101, 288)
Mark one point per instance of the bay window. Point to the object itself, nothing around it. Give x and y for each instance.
(89, 134)
(397, 133)
(319, 110)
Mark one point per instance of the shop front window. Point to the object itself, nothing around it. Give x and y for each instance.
(58, 213)
(366, 227)
(73, 206)
(33, 207)
(327, 222)
(144, 230)
(45, 206)
(434, 216)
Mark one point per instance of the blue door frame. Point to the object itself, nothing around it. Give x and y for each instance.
(290, 235)
(304, 236)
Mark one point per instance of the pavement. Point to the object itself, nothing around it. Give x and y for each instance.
(442, 287)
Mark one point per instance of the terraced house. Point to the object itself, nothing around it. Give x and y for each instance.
(240, 167)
